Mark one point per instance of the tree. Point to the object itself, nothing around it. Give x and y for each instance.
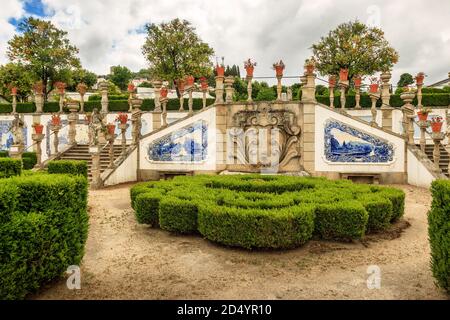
(17, 75)
(143, 73)
(266, 94)
(355, 46)
(44, 49)
(405, 80)
(121, 76)
(174, 51)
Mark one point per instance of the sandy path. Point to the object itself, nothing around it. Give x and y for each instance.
(125, 260)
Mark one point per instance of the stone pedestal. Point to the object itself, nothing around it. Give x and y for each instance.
(39, 102)
(331, 89)
(55, 130)
(73, 119)
(373, 110)
(386, 117)
(123, 129)
(164, 110)
(385, 88)
(343, 85)
(81, 103)
(37, 138)
(111, 138)
(419, 95)
(181, 101)
(190, 102)
(437, 139)
(229, 89)
(104, 93)
(279, 87)
(95, 170)
(408, 116)
(14, 103)
(423, 128)
(61, 102)
(219, 89)
(136, 120)
(357, 97)
(249, 89)
(15, 151)
(203, 99)
(157, 85)
(309, 88)
(156, 117)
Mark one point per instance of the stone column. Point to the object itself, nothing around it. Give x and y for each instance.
(55, 129)
(373, 110)
(61, 101)
(15, 151)
(343, 85)
(357, 96)
(249, 88)
(95, 170)
(164, 110)
(123, 129)
(111, 137)
(408, 116)
(136, 120)
(157, 85)
(14, 102)
(37, 138)
(73, 119)
(82, 103)
(437, 138)
(190, 101)
(279, 87)
(385, 88)
(419, 95)
(39, 102)
(308, 126)
(309, 89)
(103, 86)
(331, 86)
(219, 89)
(229, 89)
(289, 94)
(423, 127)
(203, 99)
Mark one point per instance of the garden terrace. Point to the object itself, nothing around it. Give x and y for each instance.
(253, 211)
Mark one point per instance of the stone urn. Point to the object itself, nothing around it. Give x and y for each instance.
(407, 96)
(73, 106)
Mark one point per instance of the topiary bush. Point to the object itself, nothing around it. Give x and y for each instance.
(261, 211)
(29, 160)
(43, 230)
(10, 167)
(74, 167)
(439, 233)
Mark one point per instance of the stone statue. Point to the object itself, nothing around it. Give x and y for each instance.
(17, 130)
(96, 126)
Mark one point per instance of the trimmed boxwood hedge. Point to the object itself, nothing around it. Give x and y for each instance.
(439, 233)
(261, 211)
(43, 230)
(74, 167)
(10, 167)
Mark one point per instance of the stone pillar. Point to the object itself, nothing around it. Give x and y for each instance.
(249, 88)
(279, 87)
(343, 85)
(164, 110)
(408, 116)
(331, 86)
(309, 89)
(73, 119)
(419, 95)
(103, 86)
(229, 89)
(423, 127)
(95, 170)
(123, 129)
(358, 92)
(385, 88)
(15, 151)
(82, 103)
(437, 138)
(289, 94)
(14, 102)
(373, 110)
(203, 100)
(219, 89)
(111, 137)
(39, 102)
(157, 85)
(55, 129)
(37, 138)
(190, 101)
(61, 101)
(136, 120)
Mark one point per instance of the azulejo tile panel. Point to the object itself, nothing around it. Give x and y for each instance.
(188, 144)
(6, 137)
(347, 144)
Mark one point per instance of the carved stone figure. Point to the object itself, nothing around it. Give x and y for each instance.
(95, 127)
(17, 130)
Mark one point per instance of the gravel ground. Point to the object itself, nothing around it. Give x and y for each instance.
(125, 260)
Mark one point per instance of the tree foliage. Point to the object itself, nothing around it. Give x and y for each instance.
(121, 76)
(17, 75)
(355, 46)
(405, 79)
(174, 51)
(44, 49)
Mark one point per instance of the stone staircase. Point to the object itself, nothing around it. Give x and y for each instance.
(445, 157)
(81, 152)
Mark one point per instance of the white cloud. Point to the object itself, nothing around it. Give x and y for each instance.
(10, 9)
(264, 30)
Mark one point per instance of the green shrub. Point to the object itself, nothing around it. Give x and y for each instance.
(177, 215)
(89, 106)
(262, 211)
(256, 228)
(51, 107)
(39, 235)
(6, 108)
(4, 154)
(10, 167)
(118, 105)
(439, 233)
(341, 220)
(146, 206)
(29, 160)
(74, 167)
(27, 107)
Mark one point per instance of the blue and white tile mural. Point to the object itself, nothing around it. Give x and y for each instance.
(6, 137)
(188, 144)
(347, 144)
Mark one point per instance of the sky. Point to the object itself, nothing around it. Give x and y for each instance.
(112, 32)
